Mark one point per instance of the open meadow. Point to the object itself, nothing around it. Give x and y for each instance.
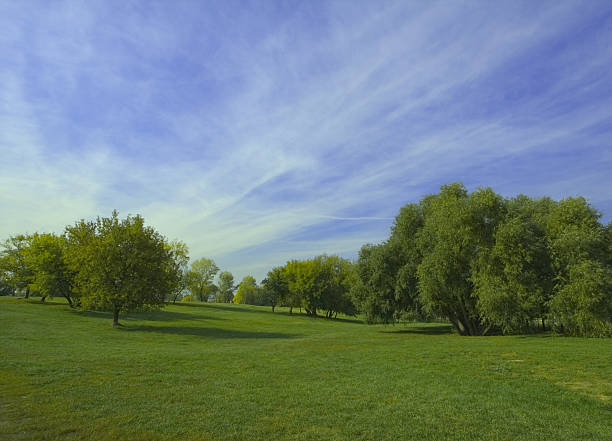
(234, 372)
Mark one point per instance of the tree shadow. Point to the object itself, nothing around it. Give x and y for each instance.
(424, 330)
(154, 315)
(208, 332)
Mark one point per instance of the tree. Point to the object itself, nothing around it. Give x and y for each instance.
(120, 265)
(13, 266)
(46, 257)
(457, 227)
(179, 268)
(226, 287)
(247, 290)
(201, 277)
(582, 298)
(277, 286)
(515, 280)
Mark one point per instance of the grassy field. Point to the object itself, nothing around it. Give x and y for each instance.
(225, 372)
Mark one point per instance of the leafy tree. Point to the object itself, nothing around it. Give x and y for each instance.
(226, 287)
(201, 277)
(277, 286)
(515, 279)
(178, 269)
(338, 276)
(583, 304)
(46, 257)
(457, 227)
(13, 266)
(247, 290)
(120, 265)
(579, 249)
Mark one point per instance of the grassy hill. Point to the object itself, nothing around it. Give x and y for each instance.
(227, 372)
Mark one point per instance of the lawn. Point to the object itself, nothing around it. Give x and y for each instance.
(227, 372)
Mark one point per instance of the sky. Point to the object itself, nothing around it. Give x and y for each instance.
(258, 132)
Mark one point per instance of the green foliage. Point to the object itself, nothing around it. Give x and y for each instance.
(276, 286)
(583, 305)
(514, 279)
(247, 291)
(120, 265)
(13, 266)
(200, 278)
(457, 228)
(489, 264)
(46, 257)
(188, 298)
(178, 270)
(226, 287)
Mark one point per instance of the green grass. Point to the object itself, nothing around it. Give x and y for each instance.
(225, 372)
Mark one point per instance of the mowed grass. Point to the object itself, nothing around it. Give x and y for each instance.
(225, 372)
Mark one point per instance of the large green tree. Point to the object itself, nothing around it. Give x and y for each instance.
(276, 286)
(457, 227)
(120, 264)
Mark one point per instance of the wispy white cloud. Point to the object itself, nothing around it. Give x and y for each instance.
(243, 132)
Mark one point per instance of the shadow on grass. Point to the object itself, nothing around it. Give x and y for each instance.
(424, 330)
(207, 332)
(267, 310)
(156, 315)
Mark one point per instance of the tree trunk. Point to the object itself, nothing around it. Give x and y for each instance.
(69, 301)
(543, 325)
(116, 316)
(42, 299)
(272, 308)
(290, 310)
(27, 295)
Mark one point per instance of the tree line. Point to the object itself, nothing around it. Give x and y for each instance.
(485, 263)
(110, 264)
(490, 264)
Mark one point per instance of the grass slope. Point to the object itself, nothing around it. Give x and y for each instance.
(226, 372)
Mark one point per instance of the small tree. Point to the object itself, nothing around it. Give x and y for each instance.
(120, 265)
(247, 291)
(276, 286)
(13, 265)
(201, 277)
(226, 287)
(46, 256)
(179, 268)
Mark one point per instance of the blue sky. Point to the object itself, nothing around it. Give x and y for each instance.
(263, 131)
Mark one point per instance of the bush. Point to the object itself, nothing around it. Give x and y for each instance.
(188, 298)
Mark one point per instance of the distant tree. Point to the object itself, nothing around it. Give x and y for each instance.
(277, 286)
(226, 287)
(247, 291)
(51, 276)
(120, 265)
(13, 266)
(201, 278)
(179, 268)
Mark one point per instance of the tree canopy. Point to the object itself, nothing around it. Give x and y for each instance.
(119, 264)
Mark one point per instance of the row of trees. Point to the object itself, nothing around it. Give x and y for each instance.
(322, 283)
(491, 264)
(108, 264)
(483, 262)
